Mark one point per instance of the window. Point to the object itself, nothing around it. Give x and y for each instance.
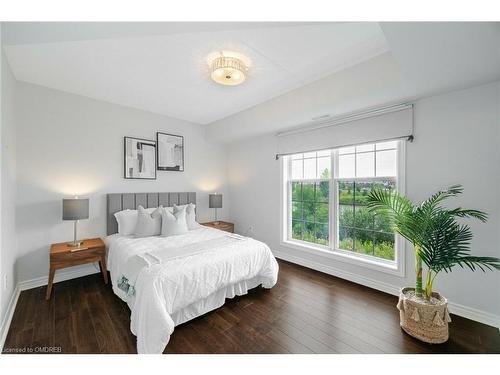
(309, 188)
(325, 200)
(360, 170)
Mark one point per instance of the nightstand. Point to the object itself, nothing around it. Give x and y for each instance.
(222, 225)
(62, 256)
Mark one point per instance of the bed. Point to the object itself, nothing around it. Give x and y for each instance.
(171, 280)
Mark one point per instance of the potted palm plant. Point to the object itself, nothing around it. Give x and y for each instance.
(441, 243)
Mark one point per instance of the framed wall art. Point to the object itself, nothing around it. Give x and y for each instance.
(170, 152)
(139, 158)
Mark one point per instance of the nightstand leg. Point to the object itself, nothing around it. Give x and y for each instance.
(52, 271)
(102, 264)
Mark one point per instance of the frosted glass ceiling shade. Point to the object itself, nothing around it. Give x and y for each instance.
(228, 71)
(228, 68)
(75, 208)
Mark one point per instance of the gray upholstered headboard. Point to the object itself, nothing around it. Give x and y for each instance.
(122, 201)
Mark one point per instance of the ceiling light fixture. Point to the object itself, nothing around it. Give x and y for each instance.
(228, 68)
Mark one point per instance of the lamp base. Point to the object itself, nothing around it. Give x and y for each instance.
(74, 244)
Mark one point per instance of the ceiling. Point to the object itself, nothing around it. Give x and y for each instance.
(49, 32)
(299, 70)
(161, 67)
(424, 59)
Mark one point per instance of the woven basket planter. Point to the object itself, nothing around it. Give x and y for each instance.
(425, 321)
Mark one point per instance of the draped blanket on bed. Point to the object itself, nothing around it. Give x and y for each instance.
(196, 271)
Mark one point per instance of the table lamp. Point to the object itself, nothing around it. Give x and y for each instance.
(75, 209)
(215, 201)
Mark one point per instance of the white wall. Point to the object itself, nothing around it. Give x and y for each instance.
(456, 141)
(8, 188)
(370, 83)
(1, 165)
(68, 144)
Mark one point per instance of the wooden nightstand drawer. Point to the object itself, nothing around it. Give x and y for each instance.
(82, 255)
(62, 256)
(221, 225)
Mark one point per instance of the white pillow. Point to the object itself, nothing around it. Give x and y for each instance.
(127, 220)
(173, 224)
(190, 215)
(148, 224)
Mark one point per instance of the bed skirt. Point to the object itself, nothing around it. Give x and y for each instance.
(215, 300)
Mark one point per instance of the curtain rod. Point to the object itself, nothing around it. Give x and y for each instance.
(349, 118)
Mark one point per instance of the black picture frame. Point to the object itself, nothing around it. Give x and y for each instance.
(160, 152)
(127, 172)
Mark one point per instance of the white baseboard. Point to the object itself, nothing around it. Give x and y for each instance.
(4, 328)
(62, 275)
(355, 278)
(455, 308)
(474, 314)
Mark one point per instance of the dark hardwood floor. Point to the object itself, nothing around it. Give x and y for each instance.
(306, 312)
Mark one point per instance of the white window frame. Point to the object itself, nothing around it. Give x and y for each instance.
(396, 267)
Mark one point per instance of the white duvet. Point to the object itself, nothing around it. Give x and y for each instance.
(184, 276)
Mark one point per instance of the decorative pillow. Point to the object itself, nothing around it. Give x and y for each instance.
(173, 224)
(127, 220)
(148, 224)
(190, 215)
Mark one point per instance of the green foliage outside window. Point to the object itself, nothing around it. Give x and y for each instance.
(360, 230)
(310, 211)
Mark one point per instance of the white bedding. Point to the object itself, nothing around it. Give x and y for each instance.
(190, 274)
